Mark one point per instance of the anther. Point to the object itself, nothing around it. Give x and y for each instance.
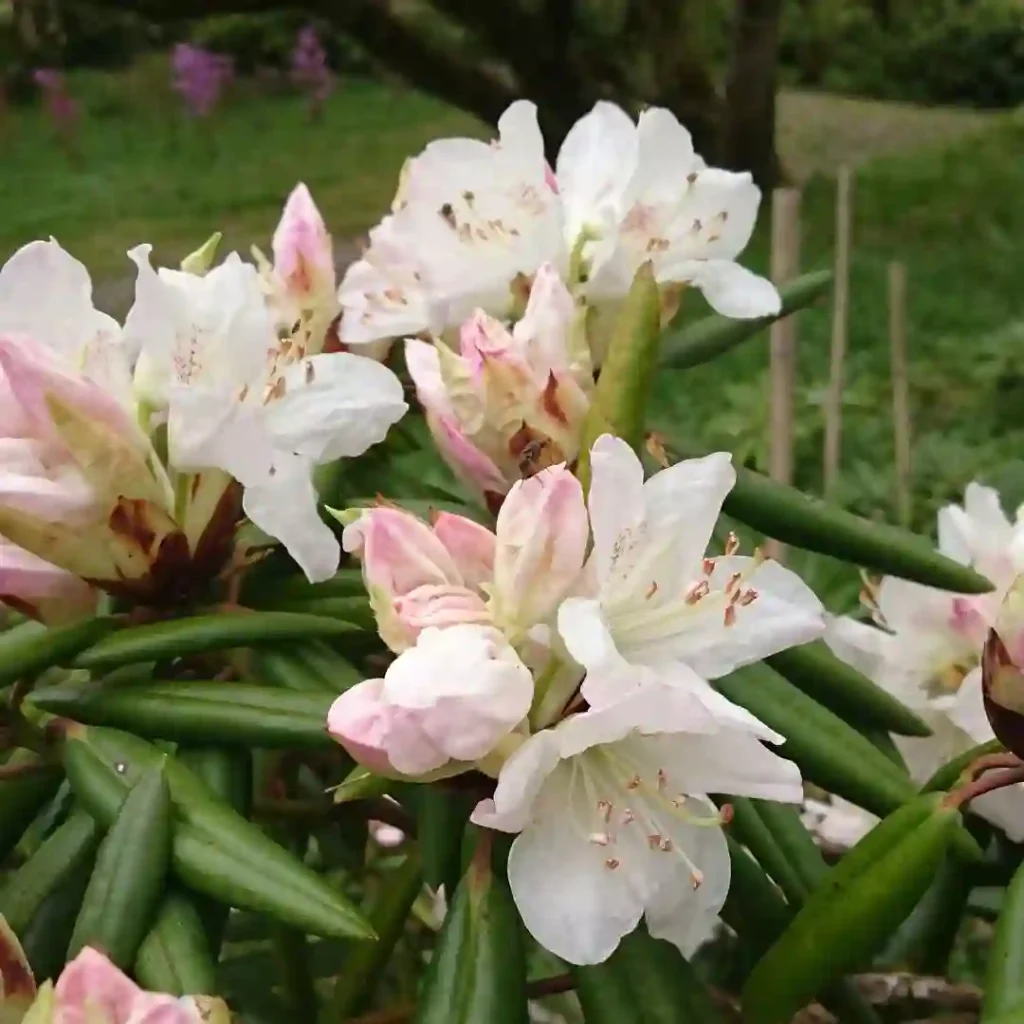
(696, 591)
(732, 544)
(733, 583)
(709, 566)
(725, 814)
(654, 841)
(696, 879)
(604, 808)
(748, 597)
(634, 783)
(666, 846)
(730, 615)
(611, 863)
(600, 838)
(628, 817)
(662, 778)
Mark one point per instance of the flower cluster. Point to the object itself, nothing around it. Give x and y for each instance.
(129, 454)
(200, 77)
(925, 645)
(580, 682)
(472, 222)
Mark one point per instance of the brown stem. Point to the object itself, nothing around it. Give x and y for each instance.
(17, 771)
(985, 784)
(989, 761)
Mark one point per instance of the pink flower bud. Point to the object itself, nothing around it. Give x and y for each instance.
(542, 541)
(470, 545)
(303, 254)
(451, 698)
(91, 990)
(438, 606)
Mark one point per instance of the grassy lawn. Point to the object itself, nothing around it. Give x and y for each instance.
(936, 189)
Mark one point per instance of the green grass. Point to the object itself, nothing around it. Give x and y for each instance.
(938, 190)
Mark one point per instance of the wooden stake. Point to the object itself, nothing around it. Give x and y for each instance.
(785, 266)
(840, 320)
(900, 389)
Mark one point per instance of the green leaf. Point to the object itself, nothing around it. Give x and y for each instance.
(845, 920)
(478, 970)
(1004, 979)
(645, 980)
(750, 829)
(130, 875)
(441, 818)
(923, 943)
(175, 955)
(215, 850)
(178, 638)
(31, 648)
(715, 335)
(830, 753)
(199, 712)
(363, 963)
(815, 670)
(793, 517)
(795, 843)
(72, 845)
(946, 777)
(620, 399)
(23, 797)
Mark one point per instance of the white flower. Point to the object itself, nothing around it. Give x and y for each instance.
(614, 822)
(264, 410)
(472, 220)
(655, 599)
(837, 822)
(926, 649)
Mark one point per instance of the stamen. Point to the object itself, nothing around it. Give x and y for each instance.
(654, 841)
(748, 597)
(600, 838)
(730, 615)
(662, 780)
(709, 566)
(652, 590)
(697, 592)
(604, 808)
(732, 544)
(634, 782)
(733, 583)
(666, 846)
(696, 879)
(628, 817)
(725, 814)
(759, 555)
(612, 863)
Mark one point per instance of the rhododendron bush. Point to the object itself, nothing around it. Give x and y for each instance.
(363, 621)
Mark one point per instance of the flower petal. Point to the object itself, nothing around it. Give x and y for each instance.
(616, 499)
(570, 901)
(470, 545)
(335, 406)
(730, 289)
(519, 784)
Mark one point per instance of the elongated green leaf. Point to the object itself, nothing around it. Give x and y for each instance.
(478, 971)
(645, 980)
(715, 335)
(923, 943)
(441, 818)
(73, 844)
(794, 842)
(1004, 980)
(199, 712)
(793, 517)
(620, 399)
(363, 964)
(130, 874)
(815, 670)
(23, 797)
(45, 938)
(30, 648)
(180, 637)
(845, 921)
(175, 955)
(830, 753)
(749, 828)
(214, 851)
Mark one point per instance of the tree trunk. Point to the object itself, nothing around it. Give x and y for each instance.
(749, 124)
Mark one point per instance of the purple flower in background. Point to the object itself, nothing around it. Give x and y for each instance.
(61, 106)
(309, 67)
(200, 77)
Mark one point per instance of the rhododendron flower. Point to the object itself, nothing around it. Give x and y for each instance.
(614, 823)
(471, 220)
(926, 645)
(91, 990)
(238, 398)
(41, 590)
(655, 599)
(511, 397)
(80, 485)
(451, 698)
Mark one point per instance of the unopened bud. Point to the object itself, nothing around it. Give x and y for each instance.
(200, 261)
